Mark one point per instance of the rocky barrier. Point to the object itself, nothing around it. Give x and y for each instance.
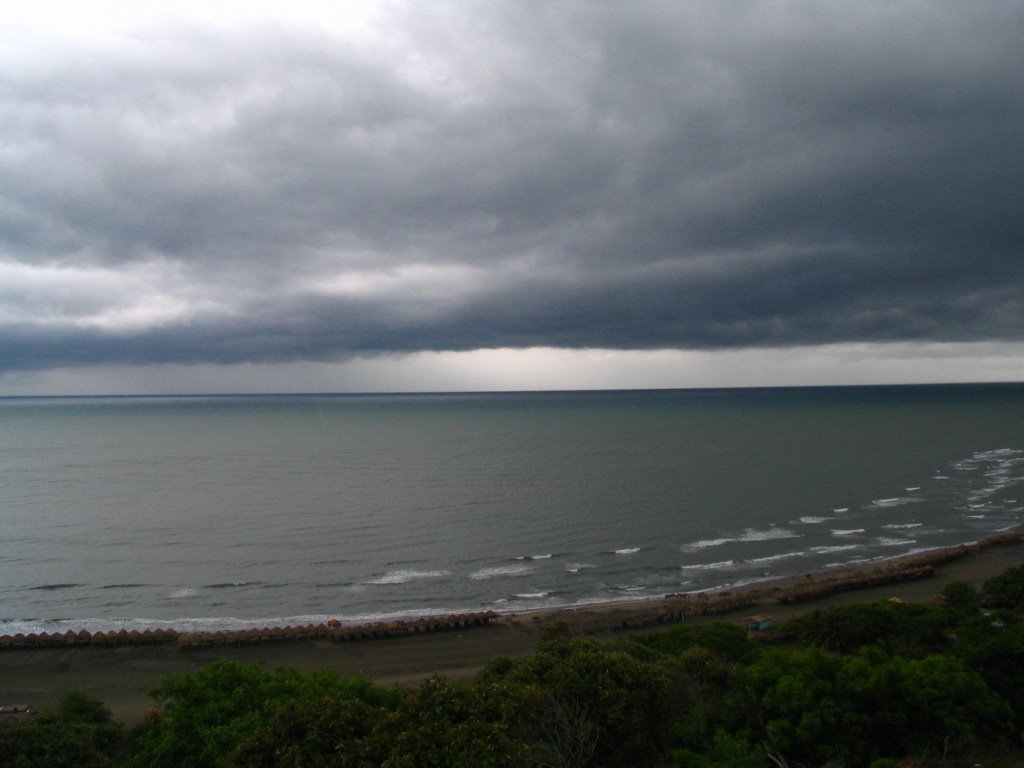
(333, 630)
(678, 606)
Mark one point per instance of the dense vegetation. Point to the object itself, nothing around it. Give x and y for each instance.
(857, 686)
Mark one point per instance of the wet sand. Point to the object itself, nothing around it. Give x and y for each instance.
(122, 676)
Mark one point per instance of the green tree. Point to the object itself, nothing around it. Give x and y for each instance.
(904, 628)
(595, 705)
(77, 731)
(204, 717)
(1006, 591)
(322, 733)
(728, 641)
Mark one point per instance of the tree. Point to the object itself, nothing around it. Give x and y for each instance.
(77, 731)
(596, 705)
(204, 717)
(1006, 591)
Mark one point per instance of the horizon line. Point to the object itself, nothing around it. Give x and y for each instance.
(427, 393)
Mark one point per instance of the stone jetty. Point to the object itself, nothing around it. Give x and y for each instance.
(333, 630)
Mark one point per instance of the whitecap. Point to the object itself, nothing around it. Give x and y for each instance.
(535, 557)
(914, 488)
(841, 509)
(896, 526)
(811, 520)
(404, 576)
(531, 595)
(180, 594)
(884, 542)
(499, 571)
(626, 551)
(771, 534)
(577, 567)
(846, 531)
(705, 543)
(773, 558)
(836, 548)
(710, 566)
(897, 501)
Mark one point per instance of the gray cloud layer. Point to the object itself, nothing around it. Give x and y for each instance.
(688, 175)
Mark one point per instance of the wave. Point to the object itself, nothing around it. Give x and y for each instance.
(232, 584)
(535, 557)
(775, 558)
(749, 535)
(846, 531)
(705, 543)
(720, 565)
(183, 593)
(835, 548)
(577, 567)
(886, 542)
(404, 577)
(626, 551)
(125, 586)
(811, 520)
(896, 501)
(896, 526)
(501, 570)
(53, 587)
(531, 595)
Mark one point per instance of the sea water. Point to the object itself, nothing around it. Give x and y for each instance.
(217, 512)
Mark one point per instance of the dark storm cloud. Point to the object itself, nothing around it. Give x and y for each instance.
(689, 175)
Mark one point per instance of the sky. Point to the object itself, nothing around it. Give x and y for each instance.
(399, 196)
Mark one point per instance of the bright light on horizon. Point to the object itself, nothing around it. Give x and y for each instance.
(546, 369)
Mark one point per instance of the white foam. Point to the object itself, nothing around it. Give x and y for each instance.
(846, 531)
(501, 570)
(914, 488)
(704, 544)
(710, 566)
(773, 558)
(836, 548)
(897, 501)
(626, 551)
(749, 535)
(838, 510)
(884, 542)
(752, 534)
(531, 595)
(181, 594)
(535, 557)
(577, 567)
(811, 520)
(404, 577)
(896, 526)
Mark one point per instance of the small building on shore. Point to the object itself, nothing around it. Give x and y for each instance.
(759, 623)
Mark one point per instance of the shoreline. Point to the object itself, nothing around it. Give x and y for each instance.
(634, 613)
(121, 675)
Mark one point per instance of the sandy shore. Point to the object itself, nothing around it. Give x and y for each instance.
(122, 676)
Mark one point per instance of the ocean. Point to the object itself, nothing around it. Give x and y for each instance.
(242, 511)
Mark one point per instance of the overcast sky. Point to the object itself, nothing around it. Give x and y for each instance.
(513, 194)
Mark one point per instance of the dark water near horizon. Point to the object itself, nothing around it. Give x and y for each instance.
(252, 510)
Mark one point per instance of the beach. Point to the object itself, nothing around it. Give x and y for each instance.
(121, 676)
